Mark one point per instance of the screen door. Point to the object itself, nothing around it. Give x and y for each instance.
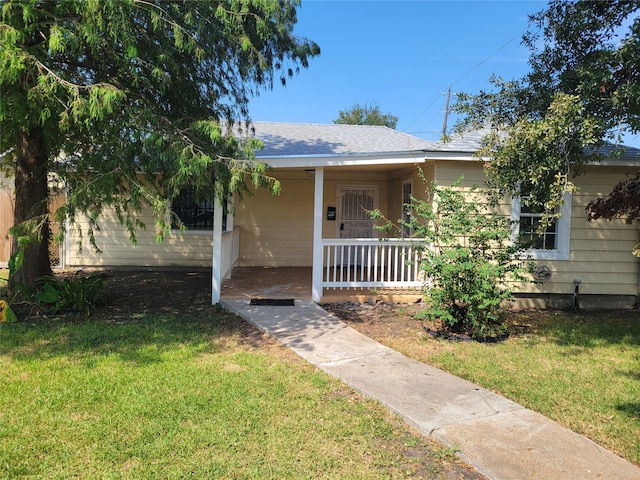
(355, 203)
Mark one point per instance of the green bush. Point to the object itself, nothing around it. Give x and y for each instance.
(77, 294)
(468, 260)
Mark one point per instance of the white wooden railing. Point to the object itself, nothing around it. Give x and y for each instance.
(230, 251)
(371, 263)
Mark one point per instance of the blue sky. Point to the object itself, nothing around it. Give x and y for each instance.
(402, 55)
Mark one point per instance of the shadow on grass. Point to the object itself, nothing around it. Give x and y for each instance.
(630, 409)
(634, 375)
(589, 329)
(141, 339)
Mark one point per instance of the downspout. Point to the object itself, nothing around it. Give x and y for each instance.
(636, 252)
(576, 294)
(65, 259)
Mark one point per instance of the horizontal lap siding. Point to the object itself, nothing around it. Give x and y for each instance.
(278, 230)
(449, 171)
(189, 249)
(600, 252)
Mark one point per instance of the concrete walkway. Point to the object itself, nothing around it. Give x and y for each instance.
(500, 438)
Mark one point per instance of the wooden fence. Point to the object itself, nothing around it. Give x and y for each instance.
(6, 221)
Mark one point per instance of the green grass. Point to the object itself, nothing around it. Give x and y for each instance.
(580, 369)
(186, 396)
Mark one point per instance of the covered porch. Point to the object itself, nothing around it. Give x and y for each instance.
(332, 267)
(330, 178)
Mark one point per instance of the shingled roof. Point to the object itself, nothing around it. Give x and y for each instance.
(469, 142)
(313, 139)
(306, 139)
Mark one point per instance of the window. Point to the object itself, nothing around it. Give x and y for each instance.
(553, 243)
(529, 235)
(407, 191)
(195, 214)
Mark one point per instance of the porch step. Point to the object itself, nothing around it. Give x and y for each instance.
(363, 295)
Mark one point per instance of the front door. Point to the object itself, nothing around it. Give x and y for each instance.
(355, 203)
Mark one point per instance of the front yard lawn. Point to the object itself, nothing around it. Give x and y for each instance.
(160, 384)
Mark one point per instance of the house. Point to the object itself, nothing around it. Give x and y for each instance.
(330, 176)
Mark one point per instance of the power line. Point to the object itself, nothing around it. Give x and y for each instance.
(457, 80)
(487, 59)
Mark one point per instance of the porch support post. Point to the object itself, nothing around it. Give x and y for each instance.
(316, 275)
(216, 263)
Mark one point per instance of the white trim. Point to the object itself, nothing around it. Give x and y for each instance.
(407, 181)
(563, 225)
(67, 233)
(216, 262)
(341, 160)
(472, 157)
(316, 275)
(457, 156)
(175, 231)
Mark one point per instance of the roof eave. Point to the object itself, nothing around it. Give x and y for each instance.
(457, 156)
(336, 160)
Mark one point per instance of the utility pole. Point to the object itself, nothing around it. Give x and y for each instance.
(446, 113)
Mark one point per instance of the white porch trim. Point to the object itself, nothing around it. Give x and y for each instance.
(316, 276)
(373, 263)
(216, 264)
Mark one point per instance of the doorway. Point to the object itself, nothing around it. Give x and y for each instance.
(355, 203)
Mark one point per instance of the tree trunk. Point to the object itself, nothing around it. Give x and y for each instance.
(31, 208)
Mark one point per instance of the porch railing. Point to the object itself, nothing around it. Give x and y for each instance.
(371, 263)
(230, 251)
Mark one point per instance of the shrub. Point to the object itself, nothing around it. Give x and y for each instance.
(468, 259)
(78, 293)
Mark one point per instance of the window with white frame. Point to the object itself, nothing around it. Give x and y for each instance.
(196, 214)
(552, 243)
(407, 191)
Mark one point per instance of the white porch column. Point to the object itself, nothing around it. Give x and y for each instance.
(216, 262)
(316, 275)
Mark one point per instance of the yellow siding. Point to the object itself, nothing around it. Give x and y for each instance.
(278, 231)
(448, 172)
(274, 230)
(600, 252)
(189, 249)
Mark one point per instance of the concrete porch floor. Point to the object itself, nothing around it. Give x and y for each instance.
(295, 282)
